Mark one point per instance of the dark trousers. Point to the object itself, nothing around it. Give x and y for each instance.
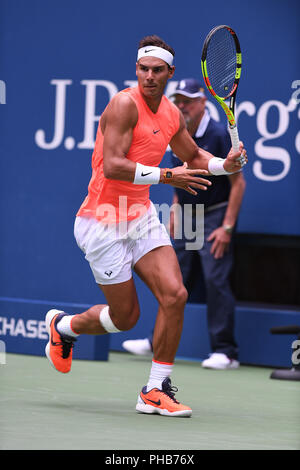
(216, 272)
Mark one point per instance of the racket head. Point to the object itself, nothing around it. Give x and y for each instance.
(221, 62)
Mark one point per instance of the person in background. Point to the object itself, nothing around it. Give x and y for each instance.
(222, 202)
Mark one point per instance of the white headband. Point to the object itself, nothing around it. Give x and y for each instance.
(155, 51)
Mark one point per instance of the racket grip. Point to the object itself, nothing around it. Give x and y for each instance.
(234, 135)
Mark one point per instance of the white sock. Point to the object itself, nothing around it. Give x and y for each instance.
(159, 371)
(64, 326)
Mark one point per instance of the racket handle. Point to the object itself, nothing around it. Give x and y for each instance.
(234, 135)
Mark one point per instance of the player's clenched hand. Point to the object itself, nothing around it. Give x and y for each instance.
(184, 178)
(236, 159)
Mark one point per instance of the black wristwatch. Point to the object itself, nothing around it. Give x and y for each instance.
(168, 174)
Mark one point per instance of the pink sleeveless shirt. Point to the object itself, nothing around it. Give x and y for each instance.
(113, 200)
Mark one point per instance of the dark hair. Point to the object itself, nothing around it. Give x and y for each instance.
(154, 40)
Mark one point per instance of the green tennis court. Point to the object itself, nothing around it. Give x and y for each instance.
(93, 407)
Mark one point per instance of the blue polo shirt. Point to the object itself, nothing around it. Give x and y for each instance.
(214, 138)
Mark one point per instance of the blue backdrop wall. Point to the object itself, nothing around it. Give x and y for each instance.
(60, 63)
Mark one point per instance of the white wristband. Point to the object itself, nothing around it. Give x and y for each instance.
(216, 166)
(146, 174)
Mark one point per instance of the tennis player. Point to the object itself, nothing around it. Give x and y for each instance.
(118, 229)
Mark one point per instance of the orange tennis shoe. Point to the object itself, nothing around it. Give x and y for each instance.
(59, 348)
(162, 401)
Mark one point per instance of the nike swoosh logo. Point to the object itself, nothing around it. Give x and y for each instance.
(155, 402)
(145, 174)
(149, 50)
(155, 132)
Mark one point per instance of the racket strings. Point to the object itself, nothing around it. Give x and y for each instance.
(221, 62)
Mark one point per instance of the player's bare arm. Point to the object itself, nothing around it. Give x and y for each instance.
(117, 124)
(187, 150)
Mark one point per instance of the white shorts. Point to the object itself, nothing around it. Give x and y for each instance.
(112, 250)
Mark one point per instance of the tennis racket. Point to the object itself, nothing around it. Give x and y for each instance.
(221, 64)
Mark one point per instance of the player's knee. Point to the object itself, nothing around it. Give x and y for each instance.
(182, 296)
(175, 298)
(127, 319)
